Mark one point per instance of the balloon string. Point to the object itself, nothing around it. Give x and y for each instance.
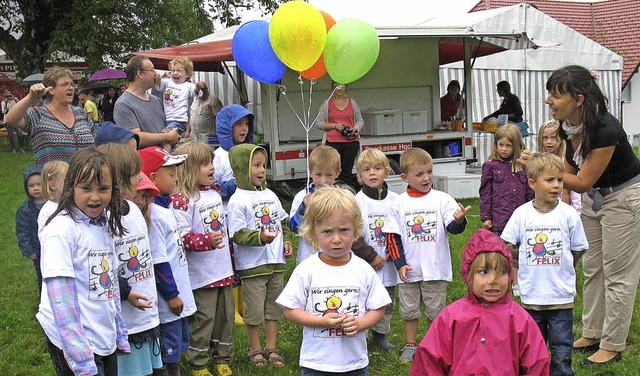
(283, 90)
(312, 82)
(304, 112)
(317, 116)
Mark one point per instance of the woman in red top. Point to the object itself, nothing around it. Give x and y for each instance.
(450, 102)
(341, 119)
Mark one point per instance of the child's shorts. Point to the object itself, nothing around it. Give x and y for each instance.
(144, 358)
(174, 340)
(433, 294)
(181, 125)
(259, 298)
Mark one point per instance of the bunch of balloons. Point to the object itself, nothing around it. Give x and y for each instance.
(308, 41)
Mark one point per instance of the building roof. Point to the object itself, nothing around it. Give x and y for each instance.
(614, 24)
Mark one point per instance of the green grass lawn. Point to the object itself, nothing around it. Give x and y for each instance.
(22, 345)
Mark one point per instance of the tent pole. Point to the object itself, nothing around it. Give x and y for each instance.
(239, 85)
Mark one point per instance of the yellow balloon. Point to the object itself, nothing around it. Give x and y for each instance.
(297, 33)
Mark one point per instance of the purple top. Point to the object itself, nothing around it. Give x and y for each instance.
(501, 192)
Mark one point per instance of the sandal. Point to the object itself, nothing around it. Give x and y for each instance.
(255, 361)
(274, 356)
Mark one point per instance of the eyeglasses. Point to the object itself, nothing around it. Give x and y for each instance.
(147, 70)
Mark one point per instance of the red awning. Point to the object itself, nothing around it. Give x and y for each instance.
(452, 50)
(206, 57)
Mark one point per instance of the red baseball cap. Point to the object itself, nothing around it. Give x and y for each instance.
(155, 157)
(146, 183)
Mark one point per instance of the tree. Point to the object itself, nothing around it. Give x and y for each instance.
(31, 30)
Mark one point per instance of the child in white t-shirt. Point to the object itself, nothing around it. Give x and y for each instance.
(177, 92)
(175, 301)
(135, 268)
(262, 241)
(548, 240)
(80, 302)
(418, 243)
(53, 174)
(333, 294)
(375, 201)
(324, 167)
(202, 221)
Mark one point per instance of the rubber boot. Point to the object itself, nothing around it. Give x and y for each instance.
(239, 308)
(381, 340)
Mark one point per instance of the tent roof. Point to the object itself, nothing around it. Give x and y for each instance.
(613, 23)
(206, 57)
(490, 31)
(575, 47)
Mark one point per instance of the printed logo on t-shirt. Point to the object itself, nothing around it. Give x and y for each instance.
(101, 274)
(543, 246)
(169, 97)
(340, 300)
(213, 218)
(182, 255)
(266, 215)
(375, 223)
(135, 258)
(421, 225)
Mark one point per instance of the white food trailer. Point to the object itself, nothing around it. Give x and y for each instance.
(399, 98)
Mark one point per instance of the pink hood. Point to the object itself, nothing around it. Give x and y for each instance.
(146, 183)
(483, 241)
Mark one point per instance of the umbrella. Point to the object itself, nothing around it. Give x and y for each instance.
(108, 74)
(32, 79)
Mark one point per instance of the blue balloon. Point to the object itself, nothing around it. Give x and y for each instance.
(254, 55)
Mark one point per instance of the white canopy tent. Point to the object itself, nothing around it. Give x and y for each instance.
(527, 70)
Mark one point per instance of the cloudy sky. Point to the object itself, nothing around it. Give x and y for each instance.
(393, 12)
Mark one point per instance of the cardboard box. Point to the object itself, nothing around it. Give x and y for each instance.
(387, 122)
(416, 122)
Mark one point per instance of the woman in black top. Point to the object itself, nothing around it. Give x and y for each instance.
(609, 172)
(107, 103)
(510, 105)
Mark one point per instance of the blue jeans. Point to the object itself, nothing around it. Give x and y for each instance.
(181, 125)
(312, 372)
(556, 327)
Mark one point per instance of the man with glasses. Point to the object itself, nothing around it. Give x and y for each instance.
(141, 112)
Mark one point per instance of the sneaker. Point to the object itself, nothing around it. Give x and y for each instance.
(515, 290)
(223, 370)
(408, 352)
(201, 372)
(381, 340)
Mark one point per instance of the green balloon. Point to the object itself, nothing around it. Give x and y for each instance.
(351, 50)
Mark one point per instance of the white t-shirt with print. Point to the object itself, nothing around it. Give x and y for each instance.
(175, 98)
(319, 289)
(166, 246)
(203, 215)
(254, 210)
(136, 266)
(305, 249)
(546, 275)
(375, 214)
(422, 223)
(85, 253)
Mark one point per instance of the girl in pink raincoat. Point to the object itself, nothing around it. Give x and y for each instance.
(485, 333)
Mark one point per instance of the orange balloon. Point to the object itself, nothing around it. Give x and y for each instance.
(328, 20)
(318, 69)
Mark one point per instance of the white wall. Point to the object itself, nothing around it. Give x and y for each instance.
(631, 107)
